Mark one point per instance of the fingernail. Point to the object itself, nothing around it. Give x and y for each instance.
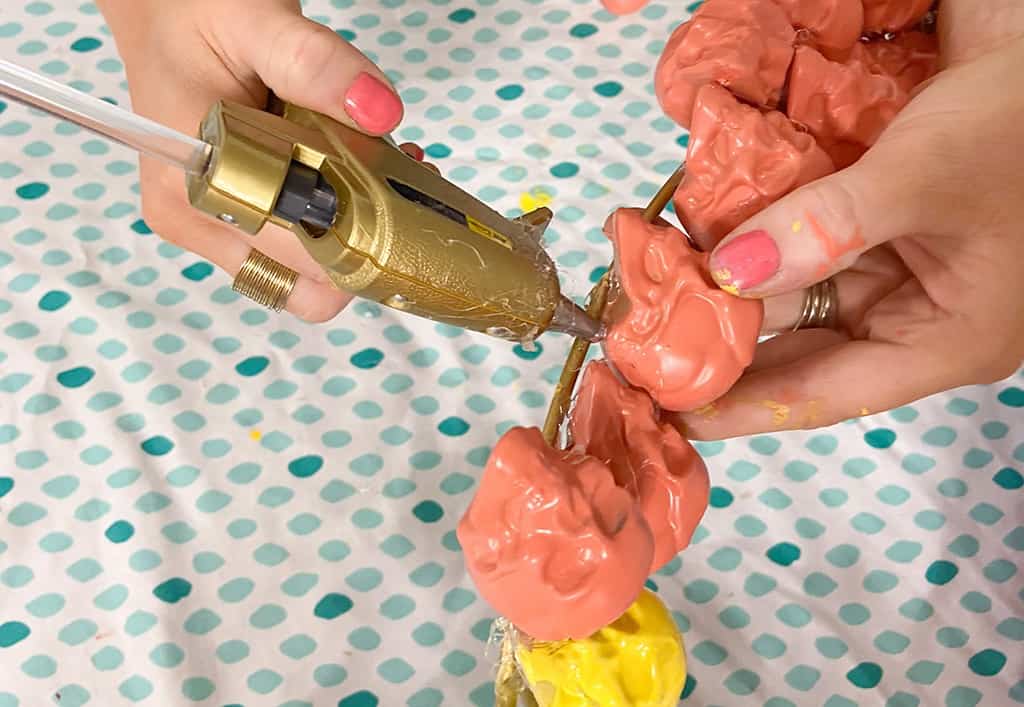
(746, 261)
(374, 106)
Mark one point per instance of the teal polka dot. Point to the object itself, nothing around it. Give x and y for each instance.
(986, 514)
(880, 581)
(13, 632)
(331, 606)
(197, 689)
(784, 554)
(1009, 479)
(951, 637)
(86, 44)
(120, 531)
(564, 170)
(1000, 571)
(769, 646)
(201, 622)
(157, 446)
(136, 688)
(167, 655)
(941, 572)
(720, 497)
(742, 682)
(453, 426)
(39, 666)
(363, 698)
(976, 602)
(939, 436)
(961, 696)
(818, 584)
(1012, 397)
(865, 675)
(880, 438)
(891, 642)
(903, 551)
(583, 30)
(793, 615)
(304, 467)
(264, 681)
(233, 651)
(831, 647)
(916, 609)
(173, 590)
(854, 614)
(924, 672)
(428, 511)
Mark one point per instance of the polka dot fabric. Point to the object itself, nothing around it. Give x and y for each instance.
(201, 502)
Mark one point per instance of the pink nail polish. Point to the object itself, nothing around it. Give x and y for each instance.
(746, 261)
(374, 106)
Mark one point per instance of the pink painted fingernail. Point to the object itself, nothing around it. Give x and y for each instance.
(375, 107)
(746, 261)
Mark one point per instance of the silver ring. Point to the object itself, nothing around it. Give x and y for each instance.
(821, 307)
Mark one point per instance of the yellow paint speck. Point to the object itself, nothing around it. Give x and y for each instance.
(732, 290)
(813, 412)
(533, 200)
(864, 412)
(255, 435)
(722, 275)
(780, 412)
(797, 227)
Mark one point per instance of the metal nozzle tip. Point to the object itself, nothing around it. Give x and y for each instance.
(572, 320)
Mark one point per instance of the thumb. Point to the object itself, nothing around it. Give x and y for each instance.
(821, 228)
(307, 64)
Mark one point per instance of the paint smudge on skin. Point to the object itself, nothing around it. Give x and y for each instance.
(864, 412)
(722, 277)
(812, 414)
(708, 412)
(797, 227)
(780, 412)
(834, 250)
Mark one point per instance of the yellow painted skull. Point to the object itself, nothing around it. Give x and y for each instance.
(639, 660)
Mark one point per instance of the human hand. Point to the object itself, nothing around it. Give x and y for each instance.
(183, 57)
(924, 237)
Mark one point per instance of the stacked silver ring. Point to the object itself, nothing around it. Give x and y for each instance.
(821, 307)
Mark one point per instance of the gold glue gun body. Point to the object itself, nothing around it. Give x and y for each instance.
(382, 225)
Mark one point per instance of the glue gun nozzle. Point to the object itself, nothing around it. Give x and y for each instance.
(572, 320)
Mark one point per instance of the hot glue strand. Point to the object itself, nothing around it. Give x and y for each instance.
(509, 687)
